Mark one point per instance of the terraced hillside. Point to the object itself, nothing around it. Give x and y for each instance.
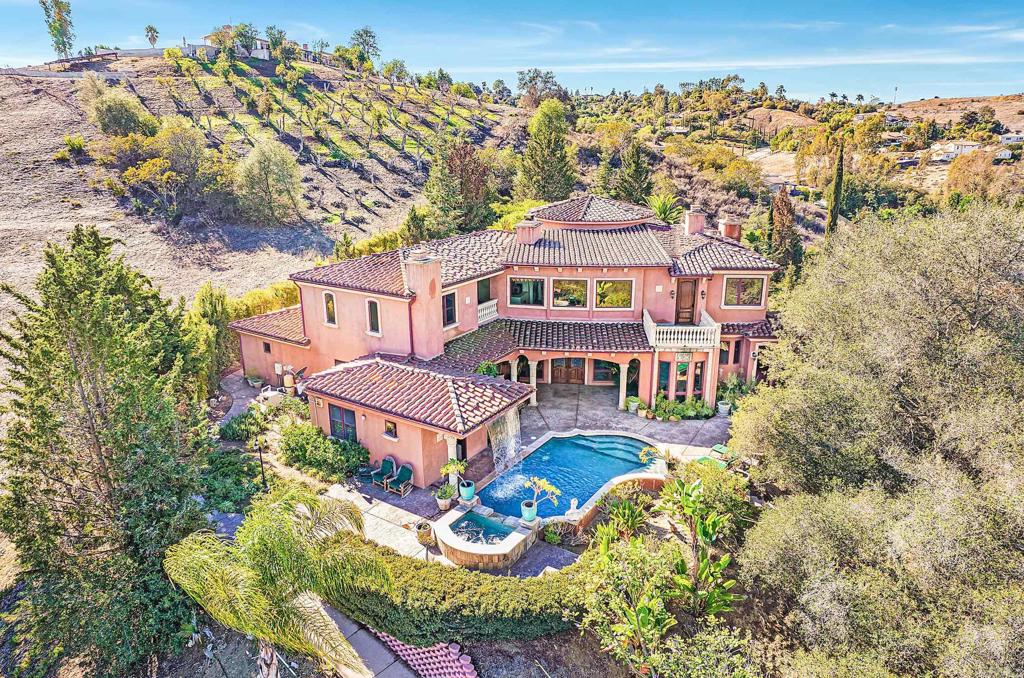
(361, 143)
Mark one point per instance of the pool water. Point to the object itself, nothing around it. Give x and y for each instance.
(480, 530)
(578, 466)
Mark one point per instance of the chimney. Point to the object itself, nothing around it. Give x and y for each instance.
(695, 219)
(731, 227)
(528, 232)
(423, 277)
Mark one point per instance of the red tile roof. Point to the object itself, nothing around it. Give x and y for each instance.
(463, 257)
(707, 252)
(413, 389)
(591, 209)
(627, 246)
(283, 325)
(501, 337)
(758, 329)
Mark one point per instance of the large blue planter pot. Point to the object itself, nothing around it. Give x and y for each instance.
(467, 488)
(529, 510)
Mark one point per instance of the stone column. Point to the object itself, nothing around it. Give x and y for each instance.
(623, 373)
(513, 369)
(453, 453)
(533, 381)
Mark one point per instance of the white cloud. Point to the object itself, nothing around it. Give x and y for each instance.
(306, 31)
(949, 29)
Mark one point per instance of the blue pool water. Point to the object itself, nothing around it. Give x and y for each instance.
(577, 465)
(480, 530)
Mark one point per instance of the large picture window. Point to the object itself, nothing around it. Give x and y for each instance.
(343, 423)
(568, 293)
(604, 370)
(448, 309)
(743, 292)
(330, 312)
(526, 292)
(614, 294)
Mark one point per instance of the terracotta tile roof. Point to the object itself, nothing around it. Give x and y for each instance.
(591, 209)
(758, 329)
(463, 257)
(501, 337)
(705, 253)
(283, 325)
(413, 389)
(626, 246)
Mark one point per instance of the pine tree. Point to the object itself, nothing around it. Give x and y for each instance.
(415, 226)
(634, 182)
(604, 181)
(443, 192)
(207, 326)
(101, 457)
(546, 172)
(835, 195)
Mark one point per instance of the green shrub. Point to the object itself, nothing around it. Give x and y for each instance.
(75, 144)
(229, 479)
(305, 446)
(691, 408)
(723, 492)
(118, 113)
(249, 424)
(430, 603)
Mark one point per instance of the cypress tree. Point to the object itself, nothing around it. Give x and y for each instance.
(634, 181)
(101, 453)
(546, 171)
(785, 247)
(835, 195)
(604, 181)
(443, 191)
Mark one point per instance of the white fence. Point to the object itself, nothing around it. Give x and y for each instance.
(487, 311)
(706, 335)
(67, 75)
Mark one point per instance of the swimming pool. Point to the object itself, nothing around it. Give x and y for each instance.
(577, 465)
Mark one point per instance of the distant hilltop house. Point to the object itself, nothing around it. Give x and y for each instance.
(891, 119)
(260, 51)
(1015, 137)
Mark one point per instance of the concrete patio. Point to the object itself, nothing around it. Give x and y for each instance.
(564, 407)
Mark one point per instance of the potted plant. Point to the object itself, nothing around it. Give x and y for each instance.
(425, 533)
(632, 403)
(254, 379)
(444, 496)
(724, 406)
(673, 418)
(542, 490)
(641, 410)
(454, 469)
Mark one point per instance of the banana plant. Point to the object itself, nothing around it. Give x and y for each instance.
(705, 592)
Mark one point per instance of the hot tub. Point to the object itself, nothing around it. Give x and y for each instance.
(472, 540)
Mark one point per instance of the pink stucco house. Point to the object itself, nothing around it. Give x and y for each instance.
(583, 291)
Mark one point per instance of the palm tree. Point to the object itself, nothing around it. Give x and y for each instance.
(152, 34)
(292, 548)
(665, 207)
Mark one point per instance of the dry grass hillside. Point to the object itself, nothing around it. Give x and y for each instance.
(770, 120)
(1009, 109)
(349, 185)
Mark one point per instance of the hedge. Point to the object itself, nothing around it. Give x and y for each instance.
(431, 603)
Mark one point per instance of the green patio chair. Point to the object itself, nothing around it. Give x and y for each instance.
(384, 472)
(713, 462)
(401, 484)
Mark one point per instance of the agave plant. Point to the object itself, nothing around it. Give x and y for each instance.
(666, 207)
(293, 548)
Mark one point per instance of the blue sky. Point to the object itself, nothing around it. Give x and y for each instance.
(925, 48)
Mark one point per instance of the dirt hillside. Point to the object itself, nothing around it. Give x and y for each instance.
(1009, 109)
(355, 191)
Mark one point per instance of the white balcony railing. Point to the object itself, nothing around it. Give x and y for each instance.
(706, 335)
(486, 312)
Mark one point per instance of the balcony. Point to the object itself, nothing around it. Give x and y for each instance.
(486, 312)
(704, 336)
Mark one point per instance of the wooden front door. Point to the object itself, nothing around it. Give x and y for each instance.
(686, 296)
(567, 370)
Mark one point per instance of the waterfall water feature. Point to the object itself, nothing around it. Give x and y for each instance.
(505, 439)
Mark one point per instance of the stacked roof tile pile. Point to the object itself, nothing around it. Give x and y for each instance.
(444, 660)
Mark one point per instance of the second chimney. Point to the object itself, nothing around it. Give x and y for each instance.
(528, 232)
(731, 227)
(695, 220)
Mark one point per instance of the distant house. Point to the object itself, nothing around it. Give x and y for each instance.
(949, 150)
(1003, 154)
(1016, 137)
(261, 50)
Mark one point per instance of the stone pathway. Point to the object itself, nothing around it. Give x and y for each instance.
(241, 394)
(384, 522)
